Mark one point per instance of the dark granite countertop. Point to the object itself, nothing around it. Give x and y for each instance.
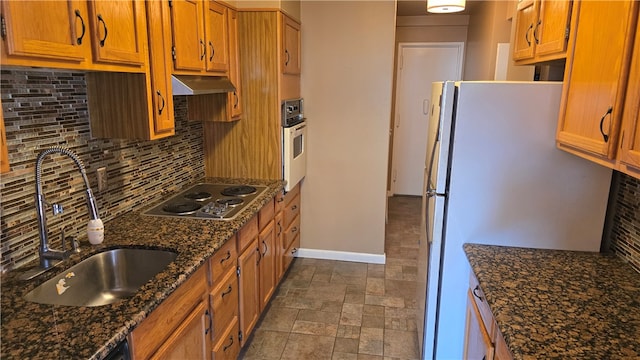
(37, 331)
(552, 304)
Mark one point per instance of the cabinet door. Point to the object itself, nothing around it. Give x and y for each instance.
(118, 29)
(47, 29)
(552, 29)
(281, 246)
(595, 77)
(217, 52)
(630, 147)
(161, 93)
(190, 340)
(234, 102)
(477, 341)
(291, 46)
(187, 26)
(249, 281)
(267, 245)
(526, 16)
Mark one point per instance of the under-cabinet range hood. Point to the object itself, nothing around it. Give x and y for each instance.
(197, 85)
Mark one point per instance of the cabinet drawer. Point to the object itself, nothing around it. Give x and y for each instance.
(223, 260)
(229, 346)
(280, 201)
(290, 253)
(481, 303)
(291, 211)
(248, 232)
(266, 214)
(224, 300)
(292, 231)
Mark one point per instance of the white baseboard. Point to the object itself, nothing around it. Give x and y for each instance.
(342, 256)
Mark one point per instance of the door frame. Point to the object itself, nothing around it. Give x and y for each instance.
(394, 110)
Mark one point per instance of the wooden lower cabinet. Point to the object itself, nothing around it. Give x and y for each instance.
(249, 281)
(228, 347)
(179, 328)
(267, 265)
(482, 338)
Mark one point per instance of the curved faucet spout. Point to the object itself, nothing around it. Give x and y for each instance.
(47, 254)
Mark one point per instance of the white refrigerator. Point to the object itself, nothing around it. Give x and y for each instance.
(493, 175)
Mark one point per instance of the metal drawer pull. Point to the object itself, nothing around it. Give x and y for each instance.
(79, 40)
(226, 258)
(208, 329)
(605, 136)
(104, 26)
(265, 248)
(212, 51)
(224, 349)
(204, 50)
(294, 207)
(477, 288)
(526, 35)
(295, 250)
(161, 107)
(227, 292)
(294, 230)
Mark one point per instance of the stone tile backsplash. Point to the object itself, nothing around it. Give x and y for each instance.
(625, 238)
(46, 108)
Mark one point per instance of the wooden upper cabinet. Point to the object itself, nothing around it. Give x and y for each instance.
(118, 29)
(291, 61)
(54, 30)
(542, 30)
(162, 122)
(526, 16)
(187, 23)
(596, 78)
(217, 50)
(630, 147)
(234, 102)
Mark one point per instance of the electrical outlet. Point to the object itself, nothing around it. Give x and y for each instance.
(101, 174)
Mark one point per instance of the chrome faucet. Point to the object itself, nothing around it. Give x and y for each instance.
(48, 255)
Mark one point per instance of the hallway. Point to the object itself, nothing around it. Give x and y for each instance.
(326, 309)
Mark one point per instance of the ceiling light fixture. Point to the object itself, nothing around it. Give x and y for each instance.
(445, 6)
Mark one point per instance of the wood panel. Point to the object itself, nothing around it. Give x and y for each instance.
(251, 148)
(630, 147)
(249, 284)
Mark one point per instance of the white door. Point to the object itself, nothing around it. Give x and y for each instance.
(419, 64)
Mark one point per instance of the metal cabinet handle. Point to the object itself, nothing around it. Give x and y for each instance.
(535, 32)
(79, 39)
(204, 50)
(259, 255)
(235, 105)
(227, 292)
(294, 230)
(475, 290)
(104, 27)
(295, 250)
(230, 344)
(294, 207)
(226, 258)
(605, 136)
(266, 248)
(212, 51)
(286, 62)
(162, 99)
(279, 228)
(526, 35)
(208, 315)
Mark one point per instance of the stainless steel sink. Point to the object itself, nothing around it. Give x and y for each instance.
(103, 278)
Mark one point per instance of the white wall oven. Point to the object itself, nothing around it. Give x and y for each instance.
(294, 138)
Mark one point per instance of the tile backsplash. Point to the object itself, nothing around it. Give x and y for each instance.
(47, 108)
(625, 232)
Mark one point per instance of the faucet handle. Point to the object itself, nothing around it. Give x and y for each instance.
(57, 209)
(75, 245)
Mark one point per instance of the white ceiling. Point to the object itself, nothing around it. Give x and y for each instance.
(417, 7)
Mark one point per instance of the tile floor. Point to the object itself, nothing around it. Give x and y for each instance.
(336, 310)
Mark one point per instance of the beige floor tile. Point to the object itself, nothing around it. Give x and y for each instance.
(388, 301)
(266, 345)
(344, 356)
(357, 298)
(373, 321)
(348, 331)
(279, 319)
(400, 344)
(371, 341)
(308, 347)
(345, 345)
(369, 357)
(314, 328)
(375, 286)
(375, 310)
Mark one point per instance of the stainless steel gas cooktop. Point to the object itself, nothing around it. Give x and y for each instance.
(209, 201)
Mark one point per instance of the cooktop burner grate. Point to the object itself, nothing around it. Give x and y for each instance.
(183, 208)
(232, 201)
(238, 190)
(198, 196)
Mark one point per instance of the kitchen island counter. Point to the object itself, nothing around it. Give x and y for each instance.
(551, 304)
(37, 331)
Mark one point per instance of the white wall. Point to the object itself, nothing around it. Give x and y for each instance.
(347, 71)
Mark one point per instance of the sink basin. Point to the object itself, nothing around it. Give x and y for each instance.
(103, 278)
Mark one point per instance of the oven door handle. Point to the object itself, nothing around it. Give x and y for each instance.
(298, 130)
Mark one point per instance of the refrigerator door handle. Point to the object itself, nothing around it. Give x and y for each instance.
(432, 192)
